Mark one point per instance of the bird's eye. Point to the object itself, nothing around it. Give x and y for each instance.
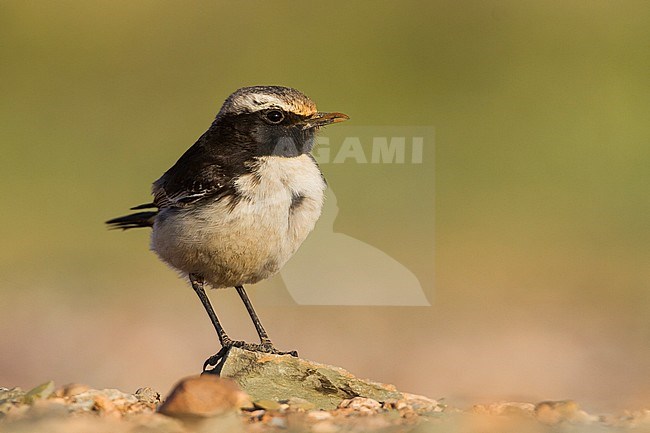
(274, 116)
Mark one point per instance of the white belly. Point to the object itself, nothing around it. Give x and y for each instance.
(245, 243)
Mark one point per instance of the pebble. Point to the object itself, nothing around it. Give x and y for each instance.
(361, 404)
(13, 395)
(555, 412)
(106, 401)
(297, 403)
(103, 404)
(505, 408)
(319, 415)
(71, 389)
(147, 395)
(421, 404)
(43, 390)
(256, 414)
(267, 404)
(212, 395)
(202, 396)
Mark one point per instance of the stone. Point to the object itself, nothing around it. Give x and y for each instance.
(148, 396)
(42, 391)
(71, 389)
(297, 403)
(554, 412)
(280, 377)
(203, 396)
(267, 404)
(361, 405)
(423, 405)
(104, 402)
(256, 415)
(12, 396)
(319, 415)
(505, 408)
(104, 405)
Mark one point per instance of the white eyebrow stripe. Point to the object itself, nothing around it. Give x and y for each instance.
(251, 102)
(258, 101)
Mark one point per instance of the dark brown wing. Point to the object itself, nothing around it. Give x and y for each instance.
(182, 187)
(207, 170)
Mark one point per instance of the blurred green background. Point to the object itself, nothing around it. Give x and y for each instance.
(539, 219)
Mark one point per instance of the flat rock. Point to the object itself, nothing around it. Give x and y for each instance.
(282, 377)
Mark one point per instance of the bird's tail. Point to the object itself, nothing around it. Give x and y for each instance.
(139, 219)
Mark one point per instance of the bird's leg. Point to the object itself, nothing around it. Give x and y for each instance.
(197, 284)
(264, 337)
(266, 345)
(226, 343)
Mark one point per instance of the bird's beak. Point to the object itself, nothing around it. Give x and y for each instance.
(322, 119)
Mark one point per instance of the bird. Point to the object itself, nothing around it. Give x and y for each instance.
(241, 200)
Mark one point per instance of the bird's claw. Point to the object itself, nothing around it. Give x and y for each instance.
(266, 347)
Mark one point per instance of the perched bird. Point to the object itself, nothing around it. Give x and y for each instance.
(239, 202)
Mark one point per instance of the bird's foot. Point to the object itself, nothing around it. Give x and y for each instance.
(265, 347)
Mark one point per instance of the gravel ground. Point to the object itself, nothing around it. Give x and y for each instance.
(213, 404)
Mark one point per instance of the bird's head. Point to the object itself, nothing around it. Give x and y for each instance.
(273, 120)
